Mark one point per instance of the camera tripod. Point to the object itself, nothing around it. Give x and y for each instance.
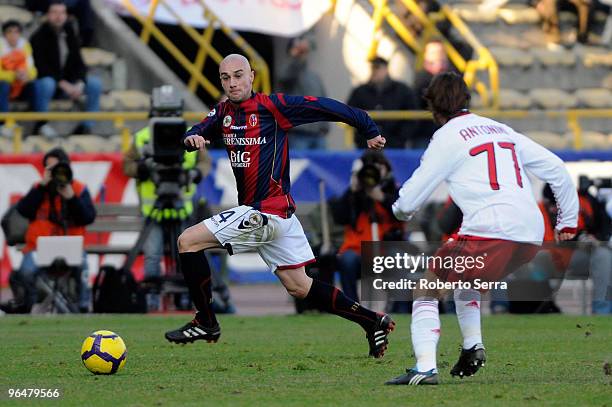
(173, 282)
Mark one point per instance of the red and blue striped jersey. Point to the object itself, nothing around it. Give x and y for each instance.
(255, 136)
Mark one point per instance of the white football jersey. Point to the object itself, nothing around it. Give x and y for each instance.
(484, 164)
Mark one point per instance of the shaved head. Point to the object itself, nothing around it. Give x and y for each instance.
(235, 60)
(236, 77)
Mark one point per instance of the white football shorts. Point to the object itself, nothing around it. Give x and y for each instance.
(280, 242)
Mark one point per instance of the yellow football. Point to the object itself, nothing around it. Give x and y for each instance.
(103, 352)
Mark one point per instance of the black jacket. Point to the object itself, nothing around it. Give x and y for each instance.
(346, 209)
(45, 49)
(78, 211)
(427, 127)
(392, 95)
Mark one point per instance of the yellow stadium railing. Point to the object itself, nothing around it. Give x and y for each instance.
(572, 118)
(119, 119)
(484, 60)
(204, 44)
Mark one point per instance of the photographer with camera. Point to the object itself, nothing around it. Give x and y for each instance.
(56, 206)
(166, 182)
(365, 211)
(594, 253)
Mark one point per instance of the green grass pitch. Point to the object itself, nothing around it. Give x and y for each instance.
(306, 361)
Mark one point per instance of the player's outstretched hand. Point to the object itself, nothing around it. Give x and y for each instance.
(377, 143)
(196, 142)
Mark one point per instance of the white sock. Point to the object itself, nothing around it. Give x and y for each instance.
(467, 304)
(425, 329)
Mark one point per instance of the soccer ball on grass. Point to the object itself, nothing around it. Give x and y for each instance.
(103, 352)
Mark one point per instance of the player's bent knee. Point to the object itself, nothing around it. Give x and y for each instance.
(296, 282)
(296, 291)
(184, 242)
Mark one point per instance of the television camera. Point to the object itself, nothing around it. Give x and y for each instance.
(164, 155)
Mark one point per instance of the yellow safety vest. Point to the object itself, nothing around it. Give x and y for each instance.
(146, 189)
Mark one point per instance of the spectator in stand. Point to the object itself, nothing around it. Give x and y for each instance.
(383, 93)
(549, 11)
(53, 209)
(435, 61)
(61, 70)
(593, 254)
(80, 9)
(296, 78)
(443, 26)
(365, 211)
(17, 68)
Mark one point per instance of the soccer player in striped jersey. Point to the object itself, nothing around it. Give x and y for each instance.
(253, 127)
(484, 164)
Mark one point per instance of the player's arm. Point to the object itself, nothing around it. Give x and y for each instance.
(202, 133)
(299, 110)
(548, 167)
(438, 162)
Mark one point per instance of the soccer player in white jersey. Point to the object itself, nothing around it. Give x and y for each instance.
(484, 164)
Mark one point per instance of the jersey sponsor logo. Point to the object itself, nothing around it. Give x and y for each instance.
(238, 127)
(240, 159)
(227, 120)
(212, 113)
(254, 221)
(253, 120)
(232, 139)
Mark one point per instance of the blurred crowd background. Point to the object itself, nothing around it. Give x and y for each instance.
(76, 76)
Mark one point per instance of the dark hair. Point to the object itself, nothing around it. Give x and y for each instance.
(447, 94)
(56, 3)
(10, 24)
(58, 153)
(371, 157)
(379, 61)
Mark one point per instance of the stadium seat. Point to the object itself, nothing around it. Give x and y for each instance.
(593, 140)
(6, 145)
(518, 14)
(596, 56)
(131, 100)
(15, 13)
(472, 14)
(39, 144)
(91, 144)
(107, 102)
(61, 105)
(512, 99)
(550, 140)
(94, 57)
(596, 98)
(552, 98)
(512, 57)
(556, 57)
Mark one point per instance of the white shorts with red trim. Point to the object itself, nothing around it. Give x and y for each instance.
(280, 242)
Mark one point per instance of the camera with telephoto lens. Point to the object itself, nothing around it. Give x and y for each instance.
(166, 150)
(61, 174)
(601, 187)
(369, 176)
